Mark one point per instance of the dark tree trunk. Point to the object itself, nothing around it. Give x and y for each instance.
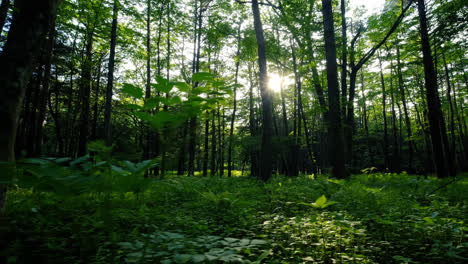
(395, 164)
(196, 68)
(182, 151)
(206, 148)
(213, 144)
(85, 90)
(335, 129)
(384, 115)
(234, 108)
(405, 111)
(451, 114)
(365, 121)
(110, 78)
(436, 118)
(148, 135)
(97, 88)
(266, 155)
(26, 36)
(221, 128)
(344, 56)
(252, 126)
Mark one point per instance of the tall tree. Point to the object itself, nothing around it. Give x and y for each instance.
(266, 156)
(27, 34)
(110, 76)
(441, 159)
(335, 129)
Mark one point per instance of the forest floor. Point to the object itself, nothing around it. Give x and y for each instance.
(377, 218)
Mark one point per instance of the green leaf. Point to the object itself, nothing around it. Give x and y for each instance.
(198, 258)
(132, 106)
(183, 86)
(182, 258)
(132, 90)
(257, 242)
(321, 201)
(202, 76)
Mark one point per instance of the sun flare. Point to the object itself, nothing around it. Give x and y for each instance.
(275, 82)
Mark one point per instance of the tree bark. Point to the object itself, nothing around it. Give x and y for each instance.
(110, 77)
(335, 128)
(234, 108)
(266, 156)
(436, 118)
(85, 90)
(405, 111)
(26, 36)
(384, 115)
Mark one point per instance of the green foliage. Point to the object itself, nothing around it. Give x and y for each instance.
(375, 218)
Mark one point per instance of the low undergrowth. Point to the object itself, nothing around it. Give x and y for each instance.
(377, 218)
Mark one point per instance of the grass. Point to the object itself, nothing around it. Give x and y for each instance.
(376, 218)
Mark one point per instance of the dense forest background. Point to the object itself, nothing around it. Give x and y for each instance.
(105, 104)
(179, 81)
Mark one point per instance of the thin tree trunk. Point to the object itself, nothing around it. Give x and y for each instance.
(452, 112)
(234, 108)
(85, 90)
(148, 143)
(195, 69)
(110, 77)
(384, 114)
(344, 56)
(405, 111)
(206, 148)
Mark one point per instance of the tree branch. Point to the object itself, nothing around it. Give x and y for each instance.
(268, 3)
(395, 25)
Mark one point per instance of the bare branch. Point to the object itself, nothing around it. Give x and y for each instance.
(371, 52)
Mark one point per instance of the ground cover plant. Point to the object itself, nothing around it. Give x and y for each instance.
(119, 217)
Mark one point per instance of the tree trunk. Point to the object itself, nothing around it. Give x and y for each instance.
(335, 128)
(405, 111)
(266, 155)
(85, 90)
(110, 77)
(20, 52)
(344, 56)
(148, 135)
(384, 115)
(196, 68)
(395, 164)
(234, 108)
(436, 118)
(452, 113)
(206, 148)
(252, 125)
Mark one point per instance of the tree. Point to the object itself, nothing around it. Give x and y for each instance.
(335, 129)
(110, 76)
(25, 39)
(440, 150)
(267, 115)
